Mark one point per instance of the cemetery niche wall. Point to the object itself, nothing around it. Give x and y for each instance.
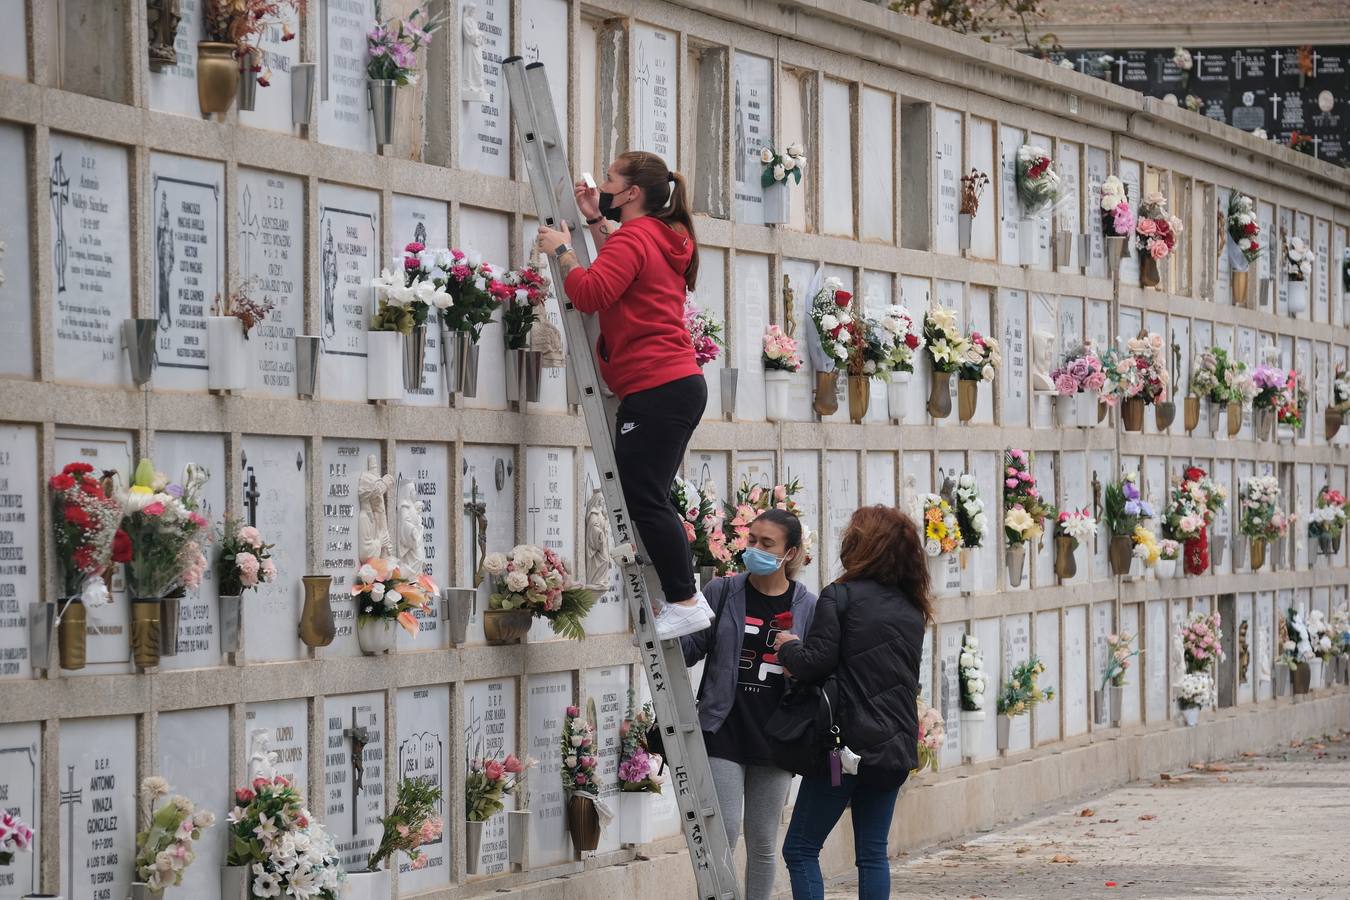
(126, 213)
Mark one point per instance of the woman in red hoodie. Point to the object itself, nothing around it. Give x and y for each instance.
(637, 286)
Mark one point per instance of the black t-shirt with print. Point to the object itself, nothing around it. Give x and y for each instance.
(759, 683)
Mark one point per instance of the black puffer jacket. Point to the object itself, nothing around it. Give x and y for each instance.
(873, 650)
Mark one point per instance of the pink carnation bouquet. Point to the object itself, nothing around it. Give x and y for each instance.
(15, 837)
(1081, 371)
(1156, 231)
(579, 775)
(245, 560)
(1201, 638)
(780, 351)
(705, 332)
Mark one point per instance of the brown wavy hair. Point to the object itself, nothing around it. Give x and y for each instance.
(661, 185)
(882, 544)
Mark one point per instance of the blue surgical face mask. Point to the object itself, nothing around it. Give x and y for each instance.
(761, 562)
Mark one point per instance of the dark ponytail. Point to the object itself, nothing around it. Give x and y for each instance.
(666, 196)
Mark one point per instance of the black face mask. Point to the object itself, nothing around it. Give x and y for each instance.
(608, 209)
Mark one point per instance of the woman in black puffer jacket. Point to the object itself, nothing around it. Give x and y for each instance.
(868, 633)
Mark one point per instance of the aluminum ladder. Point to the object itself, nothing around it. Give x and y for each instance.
(536, 126)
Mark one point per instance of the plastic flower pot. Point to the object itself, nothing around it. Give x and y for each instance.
(970, 732)
(367, 885)
(506, 626)
(41, 625)
(776, 384)
(377, 635)
(897, 396)
(1191, 413)
(235, 883)
(228, 360)
(1237, 288)
(308, 356)
(777, 203)
(1297, 295)
(729, 381)
(940, 395)
(302, 92)
(1004, 728)
(1190, 715)
(141, 891)
(636, 820)
(1028, 243)
(1166, 568)
(249, 64)
(140, 337)
(384, 365)
(1316, 677)
(170, 610)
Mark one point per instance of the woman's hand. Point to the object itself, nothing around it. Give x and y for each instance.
(551, 239)
(783, 637)
(588, 200)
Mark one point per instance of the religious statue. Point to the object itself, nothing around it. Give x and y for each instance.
(1042, 360)
(162, 18)
(164, 258)
(1263, 652)
(373, 523)
(741, 143)
(911, 498)
(474, 88)
(261, 759)
(1244, 652)
(598, 541)
(789, 308)
(411, 531)
(477, 511)
(547, 339)
(328, 266)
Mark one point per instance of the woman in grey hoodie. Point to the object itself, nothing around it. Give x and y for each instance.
(743, 682)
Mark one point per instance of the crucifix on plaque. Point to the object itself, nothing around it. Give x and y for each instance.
(59, 188)
(1096, 504)
(251, 497)
(1275, 108)
(476, 510)
(71, 797)
(789, 308)
(1120, 71)
(533, 512)
(360, 736)
(1277, 56)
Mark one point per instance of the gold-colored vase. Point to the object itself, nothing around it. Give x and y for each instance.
(1132, 414)
(145, 615)
(506, 626)
(1191, 412)
(859, 396)
(1334, 419)
(217, 76)
(70, 634)
(826, 402)
(1164, 414)
(967, 398)
(317, 628)
(1234, 418)
(1258, 554)
(1237, 285)
(1149, 276)
(1120, 553)
(1065, 565)
(940, 395)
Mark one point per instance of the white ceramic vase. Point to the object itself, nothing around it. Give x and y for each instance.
(384, 365)
(228, 359)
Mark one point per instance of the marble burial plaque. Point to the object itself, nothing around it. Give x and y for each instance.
(879, 486)
(1129, 624)
(801, 386)
(803, 466)
(1069, 215)
(287, 725)
(20, 493)
(980, 156)
(553, 383)
(1016, 650)
(947, 178)
(21, 794)
(755, 467)
(655, 98)
(353, 774)
(752, 312)
(13, 42)
(173, 89)
(877, 215)
(877, 289)
(428, 467)
(275, 499)
(16, 298)
(544, 33)
(269, 227)
(489, 233)
(1098, 169)
(272, 107)
(989, 633)
(484, 128)
(344, 102)
(836, 112)
(107, 649)
(711, 296)
(549, 697)
(487, 512)
(1010, 207)
(752, 129)
(490, 733)
(841, 493)
(604, 702)
(96, 779)
(343, 464)
(1046, 715)
(425, 222)
(348, 259)
(946, 693)
(90, 258)
(1016, 403)
(194, 757)
(1073, 688)
(198, 629)
(422, 754)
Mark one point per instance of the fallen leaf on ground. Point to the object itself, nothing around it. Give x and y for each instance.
(1063, 858)
(1319, 746)
(1218, 767)
(1022, 850)
(1295, 743)
(1165, 777)
(1086, 813)
(1223, 779)
(1147, 817)
(1107, 821)
(1248, 754)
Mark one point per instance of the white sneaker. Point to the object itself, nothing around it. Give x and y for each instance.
(677, 621)
(703, 605)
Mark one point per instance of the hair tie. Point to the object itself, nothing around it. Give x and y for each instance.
(670, 192)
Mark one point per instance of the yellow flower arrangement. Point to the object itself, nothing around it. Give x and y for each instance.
(1146, 546)
(942, 533)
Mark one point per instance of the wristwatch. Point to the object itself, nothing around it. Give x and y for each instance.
(563, 250)
(596, 221)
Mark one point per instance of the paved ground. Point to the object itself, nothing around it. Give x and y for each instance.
(1258, 826)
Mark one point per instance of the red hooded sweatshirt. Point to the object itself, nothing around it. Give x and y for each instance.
(636, 284)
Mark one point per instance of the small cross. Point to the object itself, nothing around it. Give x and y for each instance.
(1275, 107)
(1082, 62)
(360, 736)
(71, 798)
(1277, 56)
(251, 497)
(1315, 57)
(1317, 141)
(1237, 65)
(1197, 58)
(59, 188)
(1120, 71)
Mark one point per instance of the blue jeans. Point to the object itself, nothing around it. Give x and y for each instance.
(819, 806)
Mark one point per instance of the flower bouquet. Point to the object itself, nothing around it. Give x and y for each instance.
(1156, 235)
(973, 679)
(1024, 510)
(948, 349)
(1118, 656)
(705, 331)
(528, 288)
(1020, 693)
(1117, 218)
(164, 848)
(406, 297)
(970, 515)
(1123, 510)
(781, 360)
(1334, 414)
(835, 332)
(1298, 265)
(1072, 527)
(973, 186)
(166, 535)
(475, 293)
(410, 824)
(1079, 381)
(1037, 180)
(639, 775)
(280, 848)
(1169, 551)
(1326, 523)
(1194, 690)
(941, 530)
(1223, 382)
(704, 525)
(245, 561)
(1145, 548)
(86, 525)
(1136, 376)
(486, 786)
(391, 51)
(779, 169)
(535, 580)
(1268, 382)
(387, 596)
(750, 501)
(16, 836)
(1243, 244)
(580, 781)
(1261, 520)
(1291, 403)
(932, 735)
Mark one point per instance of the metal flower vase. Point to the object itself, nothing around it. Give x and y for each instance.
(1004, 729)
(1115, 249)
(140, 337)
(826, 402)
(231, 623)
(170, 610)
(729, 380)
(145, 631)
(583, 823)
(1164, 414)
(473, 846)
(456, 610)
(777, 204)
(415, 358)
(1234, 418)
(140, 890)
(1066, 566)
(940, 395)
(506, 626)
(1132, 414)
(1264, 419)
(217, 76)
(964, 221)
(1099, 710)
(1258, 555)
(1237, 288)
(1120, 553)
(1332, 420)
(459, 359)
(302, 92)
(250, 66)
(524, 375)
(317, 628)
(1016, 559)
(41, 626)
(383, 94)
(1116, 695)
(1191, 413)
(859, 397)
(308, 356)
(71, 635)
(1149, 276)
(777, 385)
(967, 398)
(518, 836)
